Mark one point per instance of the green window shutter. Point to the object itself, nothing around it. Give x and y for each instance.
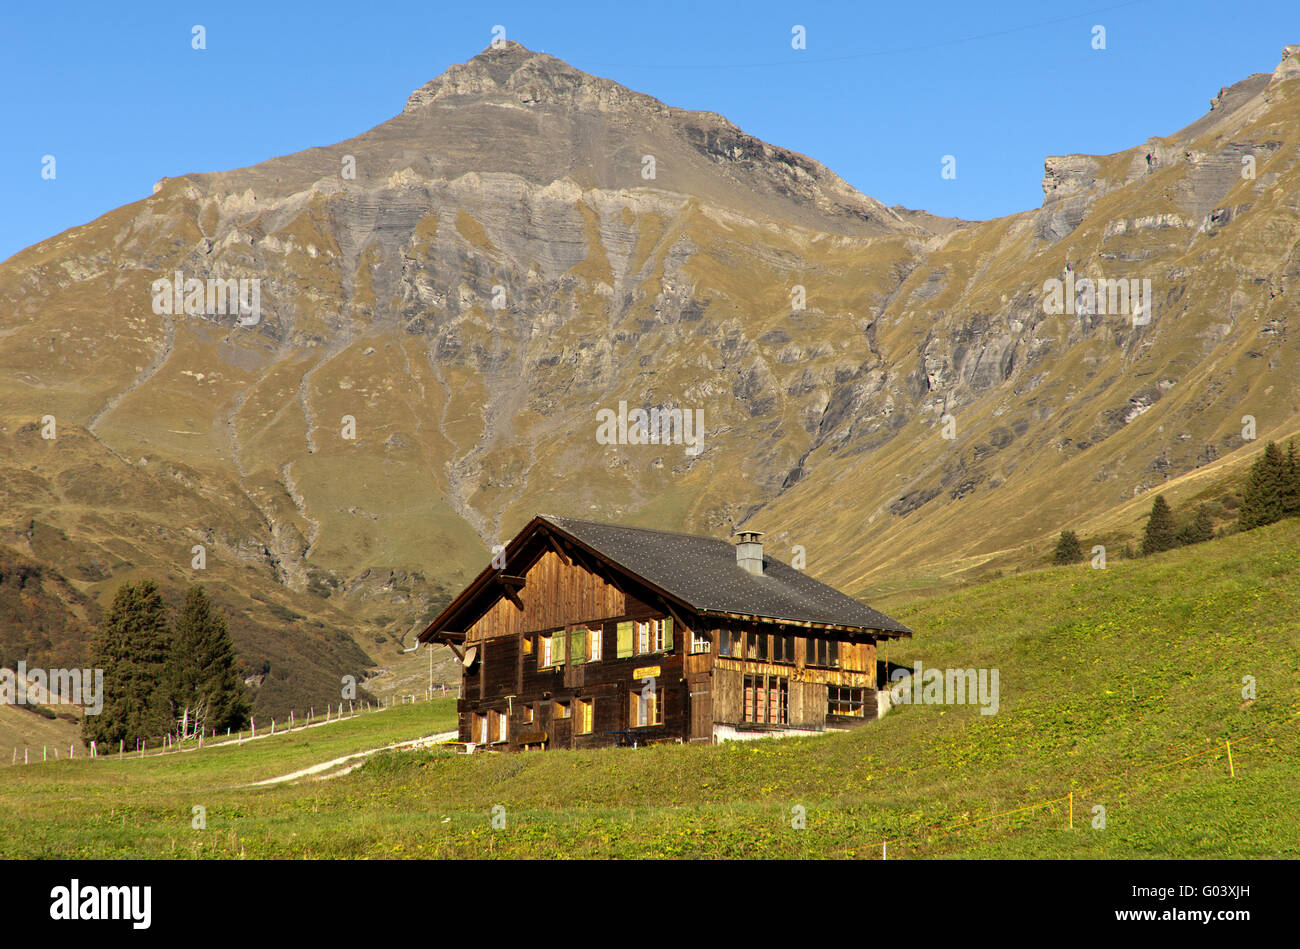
(668, 634)
(624, 640)
(578, 645)
(558, 641)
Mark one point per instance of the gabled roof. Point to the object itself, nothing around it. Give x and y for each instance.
(702, 572)
(699, 573)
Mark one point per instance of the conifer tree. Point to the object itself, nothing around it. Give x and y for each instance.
(1263, 499)
(204, 687)
(1068, 548)
(1161, 533)
(131, 649)
(1199, 529)
(1291, 482)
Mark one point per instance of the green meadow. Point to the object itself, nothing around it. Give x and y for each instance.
(1120, 685)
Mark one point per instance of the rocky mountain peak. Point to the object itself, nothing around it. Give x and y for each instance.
(514, 74)
(1289, 67)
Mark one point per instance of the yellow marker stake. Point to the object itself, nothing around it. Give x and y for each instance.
(1072, 810)
(1232, 772)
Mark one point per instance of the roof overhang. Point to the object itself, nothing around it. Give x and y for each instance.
(807, 624)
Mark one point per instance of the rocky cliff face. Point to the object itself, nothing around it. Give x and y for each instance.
(448, 300)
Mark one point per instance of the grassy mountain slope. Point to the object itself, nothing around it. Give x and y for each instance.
(1107, 679)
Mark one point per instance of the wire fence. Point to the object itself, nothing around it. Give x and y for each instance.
(27, 754)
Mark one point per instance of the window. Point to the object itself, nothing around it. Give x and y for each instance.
(823, 652)
(662, 634)
(731, 642)
(560, 710)
(500, 726)
(762, 640)
(654, 635)
(645, 708)
(700, 642)
(586, 716)
(767, 699)
(751, 646)
(552, 649)
(844, 700)
(594, 635)
(526, 714)
(783, 649)
(479, 732)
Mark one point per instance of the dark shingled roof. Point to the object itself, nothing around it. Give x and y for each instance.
(702, 572)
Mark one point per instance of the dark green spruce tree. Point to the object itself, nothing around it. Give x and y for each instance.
(1291, 482)
(131, 649)
(1263, 500)
(1161, 533)
(203, 684)
(1068, 548)
(1199, 529)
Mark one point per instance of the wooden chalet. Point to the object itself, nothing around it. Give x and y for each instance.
(595, 634)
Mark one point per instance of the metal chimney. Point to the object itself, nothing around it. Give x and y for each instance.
(749, 552)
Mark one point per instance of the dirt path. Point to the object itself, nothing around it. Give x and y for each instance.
(337, 767)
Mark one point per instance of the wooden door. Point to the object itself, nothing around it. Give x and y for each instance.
(701, 708)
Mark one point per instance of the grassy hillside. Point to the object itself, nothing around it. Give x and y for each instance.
(1108, 679)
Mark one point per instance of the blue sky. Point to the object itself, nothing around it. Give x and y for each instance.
(880, 94)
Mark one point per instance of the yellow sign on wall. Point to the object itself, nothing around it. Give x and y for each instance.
(645, 672)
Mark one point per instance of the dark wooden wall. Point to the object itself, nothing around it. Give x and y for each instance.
(506, 677)
(555, 594)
